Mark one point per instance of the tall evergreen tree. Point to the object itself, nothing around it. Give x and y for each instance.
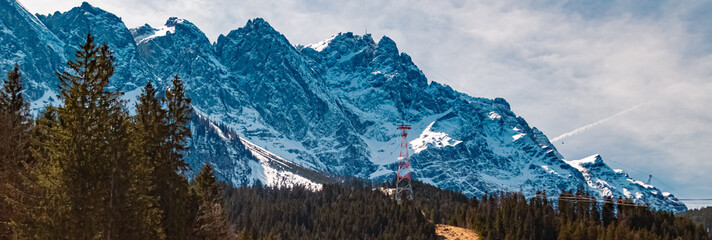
(87, 181)
(44, 201)
(134, 211)
(11, 100)
(150, 128)
(178, 115)
(210, 222)
(179, 206)
(15, 127)
(608, 215)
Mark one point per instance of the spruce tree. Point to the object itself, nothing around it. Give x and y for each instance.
(150, 126)
(134, 212)
(179, 206)
(178, 115)
(149, 134)
(43, 203)
(73, 171)
(87, 181)
(210, 222)
(12, 102)
(15, 127)
(607, 214)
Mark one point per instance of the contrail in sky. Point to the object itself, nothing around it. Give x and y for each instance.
(584, 128)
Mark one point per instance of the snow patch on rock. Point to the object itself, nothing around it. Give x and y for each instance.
(430, 138)
(320, 46)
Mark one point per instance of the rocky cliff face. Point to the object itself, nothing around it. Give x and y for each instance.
(71, 27)
(26, 41)
(280, 114)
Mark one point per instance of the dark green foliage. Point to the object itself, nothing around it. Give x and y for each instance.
(87, 182)
(702, 216)
(12, 103)
(352, 210)
(179, 206)
(160, 136)
(178, 115)
(75, 169)
(15, 129)
(511, 216)
(607, 211)
(210, 221)
(87, 170)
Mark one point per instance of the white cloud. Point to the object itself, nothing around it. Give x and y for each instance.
(559, 65)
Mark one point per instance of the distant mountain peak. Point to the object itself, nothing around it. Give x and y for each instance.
(387, 46)
(258, 23)
(87, 6)
(260, 26)
(255, 31)
(173, 21)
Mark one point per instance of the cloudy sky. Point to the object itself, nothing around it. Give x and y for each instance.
(636, 75)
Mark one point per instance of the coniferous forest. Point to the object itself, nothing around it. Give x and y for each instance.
(702, 216)
(87, 169)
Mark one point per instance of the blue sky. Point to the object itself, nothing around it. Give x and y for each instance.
(561, 65)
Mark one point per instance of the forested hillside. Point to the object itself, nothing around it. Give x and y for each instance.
(702, 216)
(568, 216)
(359, 210)
(349, 210)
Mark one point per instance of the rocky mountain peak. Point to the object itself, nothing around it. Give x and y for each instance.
(386, 46)
(173, 21)
(346, 42)
(256, 28)
(72, 27)
(259, 24)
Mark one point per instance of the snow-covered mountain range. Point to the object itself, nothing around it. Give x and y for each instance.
(279, 114)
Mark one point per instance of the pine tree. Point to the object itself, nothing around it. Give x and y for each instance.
(15, 127)
(87, 183)
(210, 222)
(595, 213)
(150, 127)
(179, 206)
(11, 100)
(178, 115)
(43, 201)
(73, 175)
(134, 212)
(607, 214)
(149, 133)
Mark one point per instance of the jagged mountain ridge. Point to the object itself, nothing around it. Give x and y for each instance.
(329, 107)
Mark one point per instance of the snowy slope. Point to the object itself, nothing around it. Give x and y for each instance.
(613, 182)
(271, 112)
(242, 162)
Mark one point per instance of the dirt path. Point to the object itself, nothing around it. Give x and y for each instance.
(447, 232)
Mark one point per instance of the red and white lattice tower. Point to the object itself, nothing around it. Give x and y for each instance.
(403, 187)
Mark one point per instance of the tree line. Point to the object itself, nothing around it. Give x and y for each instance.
(702, 216)
(350, 209)
(358, 209)
(571, 215)
(89, 170)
